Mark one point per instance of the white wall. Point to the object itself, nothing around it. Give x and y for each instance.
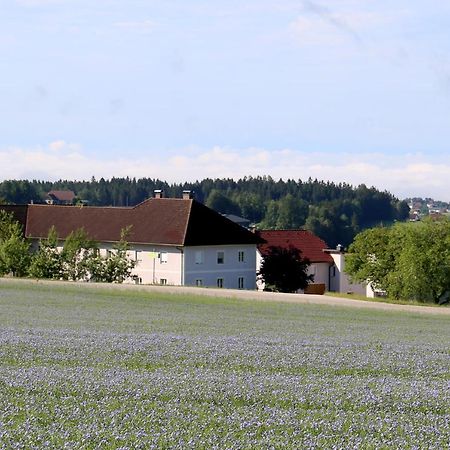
(157, 264)
(339, 280)
(321, 273)
(173, 265)
(201, 266)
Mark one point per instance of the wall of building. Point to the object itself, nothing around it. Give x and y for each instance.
(321, 273)
(157, 264)
(191, 266)
(339, 280)
(204, 266)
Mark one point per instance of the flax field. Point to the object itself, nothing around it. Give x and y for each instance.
(84, 368)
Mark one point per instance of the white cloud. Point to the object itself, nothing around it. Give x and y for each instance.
(404, 175)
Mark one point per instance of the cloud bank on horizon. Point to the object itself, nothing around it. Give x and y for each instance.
(404, 176)
(344, 90)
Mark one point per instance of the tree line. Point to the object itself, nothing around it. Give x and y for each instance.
(334, 212)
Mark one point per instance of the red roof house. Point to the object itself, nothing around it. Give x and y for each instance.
(311, 247)
(64, 197)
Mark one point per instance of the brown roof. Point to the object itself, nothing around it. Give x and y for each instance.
(165, 221)
(62, 196)
(19, 213)
(311, 246)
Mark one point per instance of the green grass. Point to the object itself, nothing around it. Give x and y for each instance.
(389, 300)
(85, 367)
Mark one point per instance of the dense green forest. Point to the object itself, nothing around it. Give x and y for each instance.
(334, 212)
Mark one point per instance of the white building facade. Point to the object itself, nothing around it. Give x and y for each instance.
(177, 242)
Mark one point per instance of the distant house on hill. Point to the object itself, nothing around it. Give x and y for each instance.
(311, 248)
(60, 197)
(176, 241)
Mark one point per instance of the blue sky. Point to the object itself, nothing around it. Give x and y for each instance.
(347, 91)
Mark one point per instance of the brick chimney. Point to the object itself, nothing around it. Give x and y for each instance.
(159, 193)
(187, 195)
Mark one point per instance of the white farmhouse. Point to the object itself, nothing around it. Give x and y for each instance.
(175, 241)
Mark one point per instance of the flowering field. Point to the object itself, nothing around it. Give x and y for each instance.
(101, 368)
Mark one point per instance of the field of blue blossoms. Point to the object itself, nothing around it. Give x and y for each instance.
(85, 368)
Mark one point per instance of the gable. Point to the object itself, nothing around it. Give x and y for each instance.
(208, 227)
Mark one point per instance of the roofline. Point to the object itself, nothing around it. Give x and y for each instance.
(42, 205)
(114, 242)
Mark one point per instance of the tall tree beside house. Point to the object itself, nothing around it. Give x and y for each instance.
(284, 270)
(409, 261)
(47, 261)
(77, 251)
(14, 249)
(116, 267)
(80, 259)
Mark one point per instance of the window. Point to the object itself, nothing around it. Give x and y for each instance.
(163, 281)
(163, 257)
(241, 256)
(241, 283)
(220, 257)
(312, 269)
(199, 283)
(137, 255)
(220, 282)
(199, 257)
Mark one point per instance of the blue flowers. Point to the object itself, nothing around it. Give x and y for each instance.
(144, 381)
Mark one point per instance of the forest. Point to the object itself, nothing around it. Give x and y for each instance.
(334, 212)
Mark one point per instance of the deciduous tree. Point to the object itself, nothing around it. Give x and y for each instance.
(14, 249)
(409, 261)
(284, 270)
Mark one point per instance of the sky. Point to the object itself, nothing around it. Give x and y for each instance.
(181, 90)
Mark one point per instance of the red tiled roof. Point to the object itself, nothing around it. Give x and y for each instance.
(310, 245)
(165, 221)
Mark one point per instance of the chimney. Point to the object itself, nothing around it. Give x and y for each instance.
(187, 195)
(159, 193)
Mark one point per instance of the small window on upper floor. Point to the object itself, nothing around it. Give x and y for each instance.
(163, 256)
(241, 256)
(199, 257)
(220, 257)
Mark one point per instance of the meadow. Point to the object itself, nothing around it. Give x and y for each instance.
(84, 368)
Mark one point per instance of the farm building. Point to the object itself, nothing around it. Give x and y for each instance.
(176, 241)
